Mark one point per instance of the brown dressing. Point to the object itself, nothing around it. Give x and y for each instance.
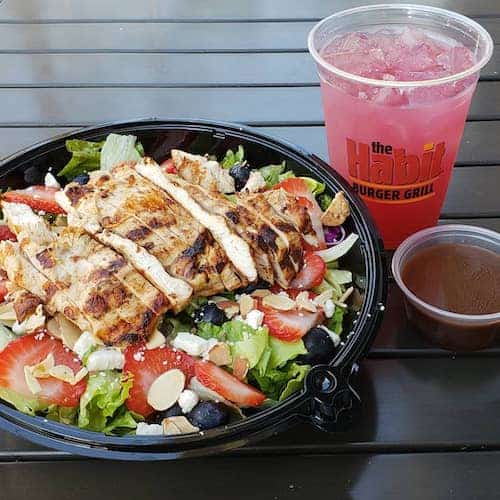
(458, 278)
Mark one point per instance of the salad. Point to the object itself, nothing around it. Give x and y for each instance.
(171, 298)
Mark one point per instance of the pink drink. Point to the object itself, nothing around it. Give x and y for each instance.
(394, 140)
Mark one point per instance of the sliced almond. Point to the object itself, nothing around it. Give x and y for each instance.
(64, 373)
(346, 295)
(220, 354)
(178, 425)
(240, 368)
(230, 308)
(280, 302)
(261, 293)
(156, 339)
(70, 333)
(304, 302)
(7, 313)
(53, 328)
(246, 304)
(42, 369)
(320, 299)
(79, 375)
(32, 383)
(166, 389)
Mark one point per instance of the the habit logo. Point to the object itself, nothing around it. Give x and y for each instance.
(387, 174)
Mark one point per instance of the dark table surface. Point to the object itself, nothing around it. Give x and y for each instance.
(430, 425)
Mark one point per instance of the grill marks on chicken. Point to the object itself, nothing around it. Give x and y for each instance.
(89, 283)
(140, 242)
(129, 206)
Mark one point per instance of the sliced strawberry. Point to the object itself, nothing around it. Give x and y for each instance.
(31, 350)
(312, 272)
(229, 387)
(3, 288)
(6, 233)
(37, 197)
(168, 166)
(298, 188)
(146, 365)
(289, 326)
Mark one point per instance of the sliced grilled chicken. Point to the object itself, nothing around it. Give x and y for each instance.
(257, 226)
(94, 284)
(235, 247)
(259, 205)
(270, 248)
(132, 208)
(203, 172)
(297, 215)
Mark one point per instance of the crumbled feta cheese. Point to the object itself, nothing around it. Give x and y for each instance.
(333, 335)
(254, 318)
(329, 308)
(108, 358)
(188, 400)
(144, 429)
(85, 342)
(192, 344)
(50, 181)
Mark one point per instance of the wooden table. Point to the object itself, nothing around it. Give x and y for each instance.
(430, 426)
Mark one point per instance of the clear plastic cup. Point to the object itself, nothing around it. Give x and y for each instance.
(396, 141)
(447, 329)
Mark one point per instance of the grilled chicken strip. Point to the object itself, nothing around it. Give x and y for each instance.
(203, 172)
(129, 207)
(88, 283)
(275, 244)
(235, 247)
(285, 204)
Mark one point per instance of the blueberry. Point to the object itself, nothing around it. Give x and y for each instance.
(257, 285)
(81, 179)
(211, 314)
(33, 175)
(240, 174)
(319, 345)
(158, 416)
(208, 414)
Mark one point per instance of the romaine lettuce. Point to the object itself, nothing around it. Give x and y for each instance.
(314, 186)
(271, 173)
(117, 149)
(101, 405)
(282, 352)
(22, 403)
(231, 157)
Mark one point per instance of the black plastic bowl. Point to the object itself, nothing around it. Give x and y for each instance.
(326, 400)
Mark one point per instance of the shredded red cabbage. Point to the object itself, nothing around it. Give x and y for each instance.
(334, 235)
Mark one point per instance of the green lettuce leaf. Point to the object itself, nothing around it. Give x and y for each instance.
(121, 423)
(335, 322)
(271, 173)
(63, 414)
(324, 201)
(118, 148)
(24, 404)
(243, 340)
(282, 352)
(277, 383)
(105, 394)
(86, 156)
(231, 157)
(314, 186)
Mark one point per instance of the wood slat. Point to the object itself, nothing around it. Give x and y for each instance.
(479, 142)
(193, 9)
(168, 37)
(375, 477)
(265, 106)
(169, 70)
(407, 404)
